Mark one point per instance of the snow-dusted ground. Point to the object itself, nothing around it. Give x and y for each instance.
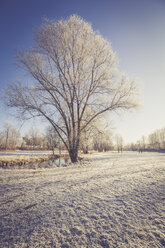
(109, 200)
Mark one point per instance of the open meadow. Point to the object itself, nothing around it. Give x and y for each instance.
(105, 200)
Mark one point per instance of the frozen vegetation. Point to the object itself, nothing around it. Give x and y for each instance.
(31, 158)
(106, 200)
(13, 155)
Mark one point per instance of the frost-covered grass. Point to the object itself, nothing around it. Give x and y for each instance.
(18, 155)
(108, 200)
(21, 158)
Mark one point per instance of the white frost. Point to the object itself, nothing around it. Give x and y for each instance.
(108, 200)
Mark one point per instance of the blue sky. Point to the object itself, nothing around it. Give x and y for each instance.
(135, 29)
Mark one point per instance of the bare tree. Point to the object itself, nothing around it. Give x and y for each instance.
(36, 137)
(73, 69)
(6, 132)
(154, 142)
(51, 138)
(33, 139)
(102, 137)
(162, 138)
(9, 136)
(102, 141)
(119, 142)
(89, 133)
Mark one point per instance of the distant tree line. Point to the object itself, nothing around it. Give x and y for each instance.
(154, 142)
(95, 137)
(10, 138)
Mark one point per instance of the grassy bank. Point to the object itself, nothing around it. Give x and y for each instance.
(19, 158)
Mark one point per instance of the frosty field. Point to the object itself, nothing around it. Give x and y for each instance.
(107, 200)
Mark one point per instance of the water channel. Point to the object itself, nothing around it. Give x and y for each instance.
(58, 162)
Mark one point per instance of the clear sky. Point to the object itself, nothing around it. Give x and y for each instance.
(136, 29)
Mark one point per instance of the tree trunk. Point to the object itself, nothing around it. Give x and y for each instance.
(7, 136)
(73, 153)
(85, 150)
(53, 150)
